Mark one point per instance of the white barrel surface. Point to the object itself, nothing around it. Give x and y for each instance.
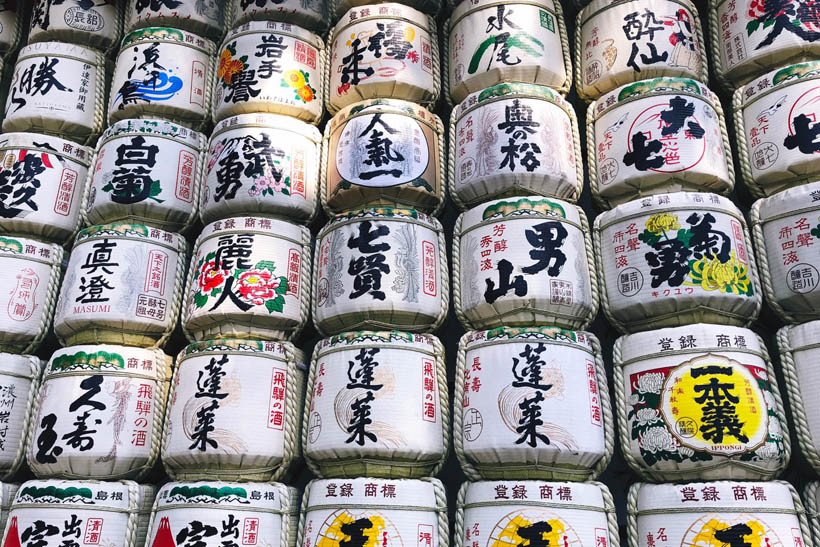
(514, 139)
(146, 171)
(716, 513)
(532, 403)
(41, 185)
(262, 164)
(96, 24)
(166, 73)
(31, 272)
(624, 41)
(377, 406)
(265, 66)
(19, 385)
(249, 278)
(655, 136)
(234, 411)
(99, 413)
(699, 402)
(490, 42)
(383, 51)
(774, 126)
(58, 89)
(674, 259)
(203, 17)
(310, 14)
(380, 268)
(384, 152)
(123, 284)
(523, 261)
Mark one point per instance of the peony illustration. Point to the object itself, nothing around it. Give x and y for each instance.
(257, 286)
(299, 81)
(210, 277)
(229, 66)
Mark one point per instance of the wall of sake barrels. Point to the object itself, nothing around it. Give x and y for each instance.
(211, 153)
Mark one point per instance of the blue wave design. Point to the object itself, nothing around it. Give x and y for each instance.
(163, 89)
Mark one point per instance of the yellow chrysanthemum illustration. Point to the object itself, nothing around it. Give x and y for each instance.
(662, 222)
(713, 275)
(294, 78)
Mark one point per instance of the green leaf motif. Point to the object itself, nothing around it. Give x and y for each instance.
(156, 190)
(423, 183)
(685, 236)
(816, 231)
(650, 238)
(200, 299)
(283, 286)
(275, 304)
(752, 26)
(265, 265)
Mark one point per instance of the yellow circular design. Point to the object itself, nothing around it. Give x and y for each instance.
(532, 528)
(359, 529)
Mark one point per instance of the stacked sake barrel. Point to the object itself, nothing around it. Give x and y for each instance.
(376, 421)
(532, 426)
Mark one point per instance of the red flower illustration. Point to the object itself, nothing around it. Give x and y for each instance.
(257, 286)
(209, 277)
(343, 88)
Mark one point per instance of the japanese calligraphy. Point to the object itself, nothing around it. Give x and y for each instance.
(380, 150)
(508, 41)
(519, 125)
(94, 283)
(528, 374)
(360, 375)
(19, 185)
(38, 78)
(208, 387)
(636, 27)
(718, 403)
(367, 269)
(131, 181)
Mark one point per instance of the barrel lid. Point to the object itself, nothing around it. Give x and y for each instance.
(803, 335)
(510, 90)
(169, 35)
(653, 205)
(401, 494)
(520, 207)
(101, 358)
(380, 213)
(571, 494)
(23, 247)
(267, 121)
(703, 497)
(412, 341)
(387, 106)
(269, 226)
(648, 88)
(47, 143)
(268, 27)
(700, 337)
(157, 127)
(778, 78)
(255, 496)
(105, 495)
(24, 366)
(133, 231)
(40, 49)
(580, 339)
(387, 10)
(277, 350)
(801, 198)
(467, 7)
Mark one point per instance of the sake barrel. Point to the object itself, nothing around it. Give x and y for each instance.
(383, 51)
(310, 14)
(514, 139)
(549, 280)
(384, 152)
(699, 402)
(147, 171)
(624, 41)
(488, 43)
(262, 164)
(799, 352)
(57, 89)
(95, 24)
(563, 512)
(250, 512)
(406, 512)
(249, 278)
(749, 39)
(377, 406)
(89, 513)
(7, 493)
(234, 411)
(339, 7)
(41, 185)
(266, 66)
(12, 16)
(541, 395)
(716, 513)
(166, 73)
(123, 285)
(775, 129)
(783, 228)
(380, 269)
(204, 17)
(655, 136)
(99, 413)
(19, 383)
(30, 273)
(675, 259)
